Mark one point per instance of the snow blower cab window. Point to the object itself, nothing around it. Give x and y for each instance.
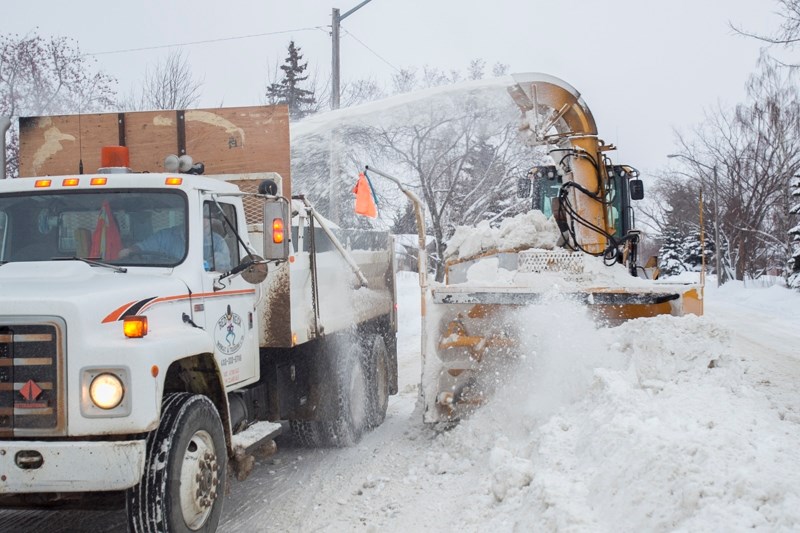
(136, 227)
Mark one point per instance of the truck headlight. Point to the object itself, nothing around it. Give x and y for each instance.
(106, 391)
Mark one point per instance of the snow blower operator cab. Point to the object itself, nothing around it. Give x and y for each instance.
(545, 186)
(158, 329)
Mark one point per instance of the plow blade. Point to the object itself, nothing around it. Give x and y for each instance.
(472, 341)
(618, 303)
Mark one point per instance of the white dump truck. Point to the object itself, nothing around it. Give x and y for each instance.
(158, 328)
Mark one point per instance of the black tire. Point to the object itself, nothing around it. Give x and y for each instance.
(349, 392)
(376, 363)
(183, 485)
(306, 433)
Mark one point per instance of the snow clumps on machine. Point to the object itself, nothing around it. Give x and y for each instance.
(527, 230)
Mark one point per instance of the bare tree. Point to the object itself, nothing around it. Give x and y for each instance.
(360, 91)
(673, 203)
(793, 264)
(475, 69)
(462, 154)
(405, 80)
(168, 85)
(500, 69)
(788, 34)
(752, 152)
(45, 76)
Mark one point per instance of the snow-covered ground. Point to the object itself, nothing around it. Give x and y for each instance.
(662, 424)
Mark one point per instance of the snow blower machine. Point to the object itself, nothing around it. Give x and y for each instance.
(577, 241)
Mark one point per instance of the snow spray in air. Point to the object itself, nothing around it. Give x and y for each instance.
(560, 346)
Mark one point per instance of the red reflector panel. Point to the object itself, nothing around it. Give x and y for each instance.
(277, 230)
(114, 156)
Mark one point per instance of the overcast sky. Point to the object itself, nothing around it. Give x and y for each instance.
(644, 67)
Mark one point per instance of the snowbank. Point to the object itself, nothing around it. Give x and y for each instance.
(654, 425)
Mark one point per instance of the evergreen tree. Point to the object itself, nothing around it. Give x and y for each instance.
(288, 90)
(693, 251)
(793, 279)
(670, 260)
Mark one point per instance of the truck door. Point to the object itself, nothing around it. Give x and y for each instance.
(229, 303)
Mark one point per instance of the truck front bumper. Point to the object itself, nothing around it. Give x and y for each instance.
(70, 466)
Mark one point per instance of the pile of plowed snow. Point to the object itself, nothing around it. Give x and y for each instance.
(526, 230)
(648, 426)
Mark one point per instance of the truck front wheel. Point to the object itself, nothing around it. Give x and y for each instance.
(183, 485)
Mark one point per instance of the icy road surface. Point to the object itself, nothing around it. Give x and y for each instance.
(663, 424)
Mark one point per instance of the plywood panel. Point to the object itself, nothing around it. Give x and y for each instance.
(150, 137)
(51, 146)
(226, 140)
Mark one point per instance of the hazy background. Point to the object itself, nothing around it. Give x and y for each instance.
(644, 68)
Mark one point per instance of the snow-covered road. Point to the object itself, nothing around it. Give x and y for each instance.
(664, 424)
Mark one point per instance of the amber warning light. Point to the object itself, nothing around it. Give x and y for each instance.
(114, 156)
(277, 230)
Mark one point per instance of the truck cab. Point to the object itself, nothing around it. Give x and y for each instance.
(151, 334)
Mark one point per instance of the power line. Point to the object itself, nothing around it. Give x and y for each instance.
(376, 54)
(221, 39)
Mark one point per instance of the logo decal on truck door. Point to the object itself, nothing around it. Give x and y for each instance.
(229, 333)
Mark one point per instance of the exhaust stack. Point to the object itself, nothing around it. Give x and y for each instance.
(5, 123)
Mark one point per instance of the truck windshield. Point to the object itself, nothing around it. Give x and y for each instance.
(122, 227)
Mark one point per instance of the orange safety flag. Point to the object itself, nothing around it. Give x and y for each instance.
(365, 200)
(106, 242)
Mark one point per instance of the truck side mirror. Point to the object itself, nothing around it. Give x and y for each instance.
(276, 229)
(523, 188)
(637, 189)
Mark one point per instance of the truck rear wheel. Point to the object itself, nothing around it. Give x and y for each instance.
(183, 485)
(350, 393)
(376, 362)
(306, 433)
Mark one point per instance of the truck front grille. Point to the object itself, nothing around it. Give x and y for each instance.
(31, 377)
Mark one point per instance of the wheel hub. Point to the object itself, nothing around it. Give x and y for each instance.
(199, 480)
(206, 480)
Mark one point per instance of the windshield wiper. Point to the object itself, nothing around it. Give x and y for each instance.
(92, 262)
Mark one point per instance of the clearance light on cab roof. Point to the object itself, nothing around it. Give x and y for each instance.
(173, 181)
(42, 183)
(135, 327)
(98, 181)
(70, 182)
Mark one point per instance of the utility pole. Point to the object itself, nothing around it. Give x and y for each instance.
(335, 163)
(335, 24)
(5, 123)
(716, 228)
(336, 20)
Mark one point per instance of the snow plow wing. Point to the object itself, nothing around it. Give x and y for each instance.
(608, 304)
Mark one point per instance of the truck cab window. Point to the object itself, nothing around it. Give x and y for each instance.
(144, 228)
(220, 246)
